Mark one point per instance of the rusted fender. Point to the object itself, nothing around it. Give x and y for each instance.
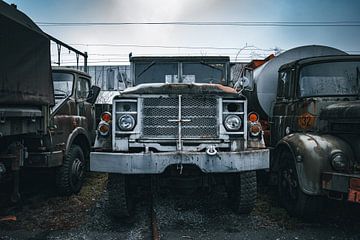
(312, 155)
(79, 131)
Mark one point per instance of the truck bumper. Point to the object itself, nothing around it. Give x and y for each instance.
(44, 159)
(343, 183)
(156, 163)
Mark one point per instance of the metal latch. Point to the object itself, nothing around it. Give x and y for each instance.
(33, 118)
(180, 167)
(2, 117)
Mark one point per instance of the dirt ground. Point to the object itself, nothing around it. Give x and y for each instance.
(43, 215)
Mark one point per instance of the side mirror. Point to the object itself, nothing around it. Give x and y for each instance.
(93, 94)
(245, 81)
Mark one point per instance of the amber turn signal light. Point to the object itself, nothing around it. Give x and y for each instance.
(104, 128)
(253, 117)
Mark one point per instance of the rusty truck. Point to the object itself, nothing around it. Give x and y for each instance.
(183, 124)
(46, 113)
(314, 114)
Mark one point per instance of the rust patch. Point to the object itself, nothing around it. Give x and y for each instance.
(355, 184)
(354, 196)
(225, 88)
(306, 121)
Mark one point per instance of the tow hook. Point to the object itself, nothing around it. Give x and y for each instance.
(211, 150)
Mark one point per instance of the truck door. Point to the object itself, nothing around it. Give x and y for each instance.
(84, 108)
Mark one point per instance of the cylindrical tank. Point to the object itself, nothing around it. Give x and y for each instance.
(266, 76)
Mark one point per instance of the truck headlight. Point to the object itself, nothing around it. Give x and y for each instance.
(339, 161)
(126, 122)
(232, 123)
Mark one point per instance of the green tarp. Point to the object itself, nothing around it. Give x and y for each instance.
(25, 68)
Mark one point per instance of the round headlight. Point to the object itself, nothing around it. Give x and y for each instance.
(126, 122)
(339, 161)
(232, 123)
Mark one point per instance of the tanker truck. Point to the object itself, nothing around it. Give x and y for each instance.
(310, 98)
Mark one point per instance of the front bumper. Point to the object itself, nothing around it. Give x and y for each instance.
(343, 183)
(156, 163)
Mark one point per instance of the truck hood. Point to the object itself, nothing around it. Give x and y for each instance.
(194, 88)
(342, 110)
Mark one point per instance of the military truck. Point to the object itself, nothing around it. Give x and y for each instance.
(183, 123)
(315, 136)
(46, 114)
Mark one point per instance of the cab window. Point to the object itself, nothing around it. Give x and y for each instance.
(83, 88)
(284, 91)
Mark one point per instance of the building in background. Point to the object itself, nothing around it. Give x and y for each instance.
(109, 78)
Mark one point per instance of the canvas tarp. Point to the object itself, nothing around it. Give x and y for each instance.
(25, 68)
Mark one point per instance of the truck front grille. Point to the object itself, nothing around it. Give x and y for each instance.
(200, 116)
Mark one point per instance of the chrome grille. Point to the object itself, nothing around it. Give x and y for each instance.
(201, 111)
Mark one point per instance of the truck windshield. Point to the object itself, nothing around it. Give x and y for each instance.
(330, 79)
(63, 84)
(203, 72)
(153, 72)
(197, 72)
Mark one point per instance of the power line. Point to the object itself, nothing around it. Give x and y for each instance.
(168, 47)
(184, 47)
(210, 23)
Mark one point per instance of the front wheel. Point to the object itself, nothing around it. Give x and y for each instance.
(292, 198)
(242, 191)
(70, 176)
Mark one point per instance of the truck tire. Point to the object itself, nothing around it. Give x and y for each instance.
(242, 192)
(292, 198)
(120, 203)
(70, 176)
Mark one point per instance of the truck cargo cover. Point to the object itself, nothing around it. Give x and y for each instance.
(25, 68)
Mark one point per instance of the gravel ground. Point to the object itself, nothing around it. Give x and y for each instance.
(194, 216)
(209, 217)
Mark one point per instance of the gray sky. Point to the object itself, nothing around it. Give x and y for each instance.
(265, 38)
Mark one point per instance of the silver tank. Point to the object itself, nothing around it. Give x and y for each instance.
(266, 76)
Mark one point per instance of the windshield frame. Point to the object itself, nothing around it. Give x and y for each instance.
(179, 62)
(300, 67)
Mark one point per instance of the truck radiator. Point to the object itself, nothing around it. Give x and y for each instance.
(199, 115)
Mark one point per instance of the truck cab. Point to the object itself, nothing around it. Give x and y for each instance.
(180, 120)
(63, 143)
(72, 91)
(315, 132)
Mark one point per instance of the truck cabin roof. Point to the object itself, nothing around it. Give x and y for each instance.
(310, 60)
(69, 70)
(180, 59)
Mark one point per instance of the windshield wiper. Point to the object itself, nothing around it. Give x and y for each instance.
(146, 68)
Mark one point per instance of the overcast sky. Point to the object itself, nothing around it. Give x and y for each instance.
(266, 38)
